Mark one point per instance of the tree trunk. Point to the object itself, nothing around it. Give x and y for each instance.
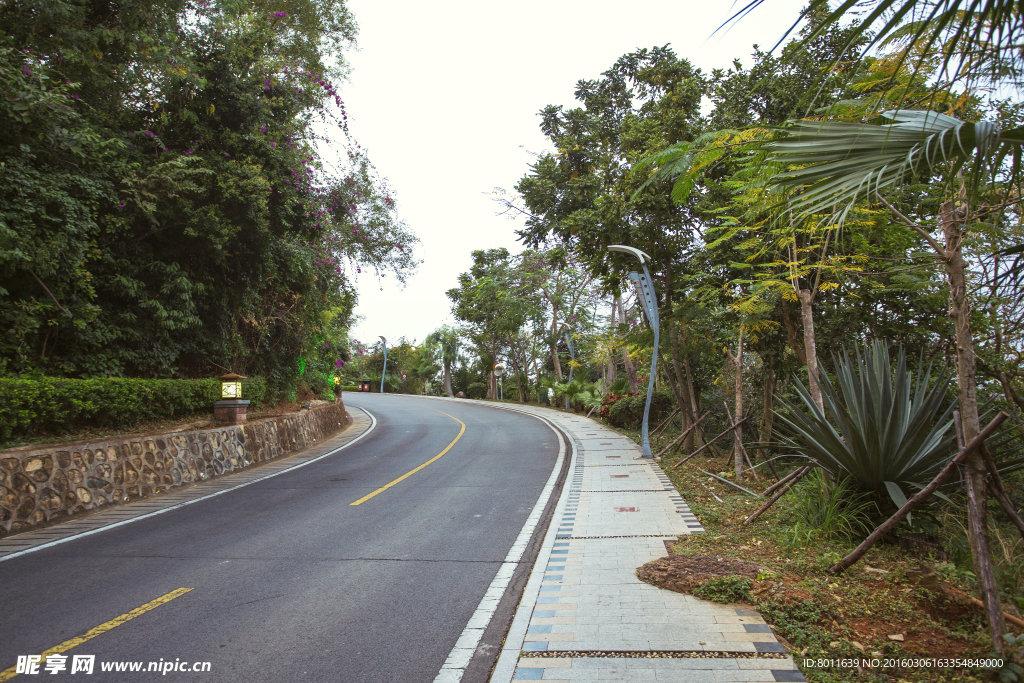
(675, 372)
(613, 322)
(519, 382)
(810, 347)
(448, 379)
(694, 402)
(737, 434)
(764, 432)
(792, 338)
(951, 221)
(630, 370)
(554, 343)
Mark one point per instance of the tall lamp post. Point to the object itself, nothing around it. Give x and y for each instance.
(384, 343)
(645, 294)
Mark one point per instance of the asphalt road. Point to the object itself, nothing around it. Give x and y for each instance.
(291, 582)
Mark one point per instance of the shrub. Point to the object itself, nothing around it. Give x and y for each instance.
(629, 410)
(49, 405)
(609, 400)
(476, 390)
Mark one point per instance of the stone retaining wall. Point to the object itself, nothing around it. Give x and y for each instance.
(39, 485)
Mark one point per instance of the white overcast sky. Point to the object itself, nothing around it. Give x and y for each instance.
(444, 96)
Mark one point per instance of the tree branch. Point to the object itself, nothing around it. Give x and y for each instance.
(911, 224)
(47, 289)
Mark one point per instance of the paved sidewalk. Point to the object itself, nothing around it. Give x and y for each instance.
(103, 518)
(585, 616)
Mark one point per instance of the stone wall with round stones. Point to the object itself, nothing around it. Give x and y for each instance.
(44, 484)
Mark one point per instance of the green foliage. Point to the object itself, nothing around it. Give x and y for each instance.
(163, 208)
(476, 390)
(1012, 656)
(827, 509)
(725, 589)
(628, 411)
(887, 433)
(29, 407)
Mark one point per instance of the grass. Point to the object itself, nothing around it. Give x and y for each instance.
(816, 614)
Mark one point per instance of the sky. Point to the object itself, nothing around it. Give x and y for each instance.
(444, 97)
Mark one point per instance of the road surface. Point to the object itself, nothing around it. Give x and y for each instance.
(290, 581)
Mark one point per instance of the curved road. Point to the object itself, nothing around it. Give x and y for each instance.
(290, 582)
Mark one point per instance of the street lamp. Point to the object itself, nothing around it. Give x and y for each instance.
(384, 343)
(645, 294)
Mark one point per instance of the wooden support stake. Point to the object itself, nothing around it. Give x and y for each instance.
(665, 423)
(679, 439)
(995, 485)
(782, 482)
(726, 481)
(708, 443)
(792, 479)
(888, 524)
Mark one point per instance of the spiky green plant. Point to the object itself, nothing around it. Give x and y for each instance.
(886, 431)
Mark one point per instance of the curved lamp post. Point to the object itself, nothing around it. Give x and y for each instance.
(384, 343)
(645, 294)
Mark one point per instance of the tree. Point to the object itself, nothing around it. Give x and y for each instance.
(495, 300)
(446, 339)
(163, 208)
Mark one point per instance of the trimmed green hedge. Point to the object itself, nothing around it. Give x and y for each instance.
(30, 407)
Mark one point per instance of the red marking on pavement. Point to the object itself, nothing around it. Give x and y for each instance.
(625, 509)
(620, 476)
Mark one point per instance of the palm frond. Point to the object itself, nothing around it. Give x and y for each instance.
(839, 162)
(949, 28)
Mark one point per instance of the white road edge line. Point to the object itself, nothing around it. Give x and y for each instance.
(454, 667)
(373, 424)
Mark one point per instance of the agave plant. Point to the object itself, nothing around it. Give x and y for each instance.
(888, 433)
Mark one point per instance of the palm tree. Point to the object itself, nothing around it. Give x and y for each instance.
(447, 339)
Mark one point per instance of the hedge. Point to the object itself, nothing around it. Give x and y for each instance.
(628, 411)
(30, 407)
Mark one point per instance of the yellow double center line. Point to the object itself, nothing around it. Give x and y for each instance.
(408, 474)
(99, 630)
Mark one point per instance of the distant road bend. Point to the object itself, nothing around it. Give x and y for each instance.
(290, 580)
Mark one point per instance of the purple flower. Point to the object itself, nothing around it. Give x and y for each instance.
(339, 363)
